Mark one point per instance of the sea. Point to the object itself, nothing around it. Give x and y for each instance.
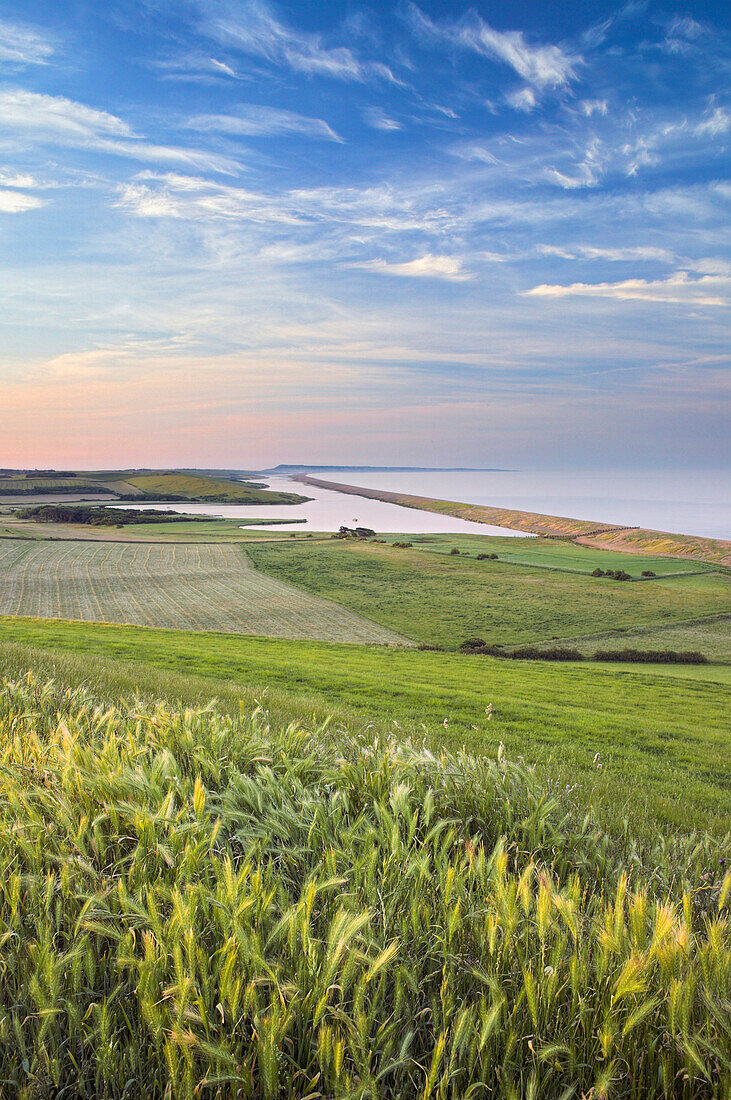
(683, 502)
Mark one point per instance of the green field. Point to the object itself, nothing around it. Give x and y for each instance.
(712, 637)
(662, 741)
(175, 486)
(554, 554)
(441, 599)
(189, 587)
(200, 906)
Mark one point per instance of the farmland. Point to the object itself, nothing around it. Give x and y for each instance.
(174, 486)
(661, 740)
(148, 485)
(190, 587)
(442, 599)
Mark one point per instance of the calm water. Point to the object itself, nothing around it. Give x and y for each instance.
(692, 503)
(685, 503)
(328, 510)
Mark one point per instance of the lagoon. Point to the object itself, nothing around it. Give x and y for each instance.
(328, 510)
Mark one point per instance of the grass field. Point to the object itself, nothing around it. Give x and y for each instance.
(662, 741)
(206, 587)
(184, 530)
(712, 637)
(442, 599)
(554, 554)
(194, 488)
(195, 905)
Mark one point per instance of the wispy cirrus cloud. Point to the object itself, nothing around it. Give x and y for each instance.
(542, 66)
(423, 267)
(57, 120)
(251, 27)
(377, 119)
(678, 289)
(592, 252)
(253, 120)
(21, 45)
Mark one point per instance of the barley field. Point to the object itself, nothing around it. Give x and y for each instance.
(176, 586)
(208, 907)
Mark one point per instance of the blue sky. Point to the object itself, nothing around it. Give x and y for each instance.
(414, 233)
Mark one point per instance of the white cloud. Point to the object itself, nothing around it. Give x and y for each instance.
(375, 118)
(58, 116)
(586, 176)
(221, 67)
(542, 66)
(591, 252)
(20, 45)
(522, 100)
(17, 180)
(257, 121)
(718, 122)
(62, 121)
(424, 267)
(678, 288)
(251, 27)
(16, 202)
(591, 107)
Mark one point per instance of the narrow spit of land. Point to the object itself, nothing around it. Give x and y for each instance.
(631, 540)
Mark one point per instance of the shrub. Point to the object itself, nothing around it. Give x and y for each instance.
(648, 573)
(454, 550)
(653, 656)
(402, 545)
(552, 653)
(470, 644)
(597, 572)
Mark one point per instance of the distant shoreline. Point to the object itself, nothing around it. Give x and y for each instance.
(631, 540)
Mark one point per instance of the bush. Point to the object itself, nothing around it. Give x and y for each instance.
(652, 656)
(470, 644)
(597, 572)
(402, 545)
(648, 573)
(454, 550)
(553, 653)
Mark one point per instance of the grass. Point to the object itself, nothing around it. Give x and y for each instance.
(712, 637)
(441, 599)
(183, 530)
(198, 905)
(196, 488)
(662, 742)
(190, 587)
(558, 554)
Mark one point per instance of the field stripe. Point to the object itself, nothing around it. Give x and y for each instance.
(200, 587)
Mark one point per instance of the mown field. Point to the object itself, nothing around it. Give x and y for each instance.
(441, 599)
(204, 906)
(662, 742)
(188, 587)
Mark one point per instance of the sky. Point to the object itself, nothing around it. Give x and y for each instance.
(235, 233)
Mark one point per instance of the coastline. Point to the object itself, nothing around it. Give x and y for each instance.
(626, 539)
